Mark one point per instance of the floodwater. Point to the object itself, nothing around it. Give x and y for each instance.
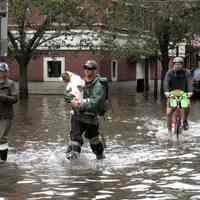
(142, 161)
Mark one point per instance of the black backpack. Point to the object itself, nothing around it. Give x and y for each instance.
(104, 106)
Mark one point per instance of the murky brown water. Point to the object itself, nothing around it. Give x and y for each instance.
(142, 161)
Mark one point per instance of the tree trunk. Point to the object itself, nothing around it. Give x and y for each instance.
(155, 62)
(164, 45)
(23, 81)
(146, 84)
(164, 62)
(164, 39)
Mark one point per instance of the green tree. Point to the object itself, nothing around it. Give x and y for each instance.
(58, 16)
(151, 27)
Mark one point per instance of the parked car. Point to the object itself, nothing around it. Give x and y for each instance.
(196, 81)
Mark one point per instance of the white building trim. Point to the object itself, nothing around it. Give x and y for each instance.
(71, 40)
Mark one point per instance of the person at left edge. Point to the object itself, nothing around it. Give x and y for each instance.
(8, 96)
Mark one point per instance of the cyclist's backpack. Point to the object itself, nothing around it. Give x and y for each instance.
(103, 108)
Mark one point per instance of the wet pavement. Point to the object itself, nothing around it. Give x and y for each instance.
(142, 161)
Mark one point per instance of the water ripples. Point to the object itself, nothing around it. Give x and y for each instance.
(142, 161)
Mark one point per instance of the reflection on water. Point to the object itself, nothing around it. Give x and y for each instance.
(142, 161)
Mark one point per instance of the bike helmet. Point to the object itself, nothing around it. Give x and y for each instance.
(178, 60)
(90, 64)
(4, 67)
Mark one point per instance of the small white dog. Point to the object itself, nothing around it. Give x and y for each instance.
(74, 86)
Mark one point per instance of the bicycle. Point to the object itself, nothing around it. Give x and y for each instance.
(178, 100)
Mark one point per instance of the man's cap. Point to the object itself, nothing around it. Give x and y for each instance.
(4, 67)
(90, 64)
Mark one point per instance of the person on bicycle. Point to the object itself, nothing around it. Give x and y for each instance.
(84, 118)
(178, 78)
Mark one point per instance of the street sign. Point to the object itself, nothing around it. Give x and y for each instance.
(181, 49)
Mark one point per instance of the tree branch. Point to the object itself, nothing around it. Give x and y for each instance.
(39, 33)
(38, 42)
(13, 40)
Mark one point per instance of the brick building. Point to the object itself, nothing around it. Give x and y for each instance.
(48, 65)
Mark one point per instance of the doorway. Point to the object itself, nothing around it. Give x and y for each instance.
(53, 68)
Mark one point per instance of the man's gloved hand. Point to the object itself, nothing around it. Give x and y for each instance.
(68, 97)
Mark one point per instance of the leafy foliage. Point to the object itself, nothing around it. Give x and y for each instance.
(33, 19)
(152, 27)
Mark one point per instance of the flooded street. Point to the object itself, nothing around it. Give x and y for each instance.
(142, 161)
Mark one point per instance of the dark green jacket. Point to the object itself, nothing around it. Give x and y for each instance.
(93, 98)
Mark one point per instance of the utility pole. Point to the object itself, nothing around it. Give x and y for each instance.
(3, 27)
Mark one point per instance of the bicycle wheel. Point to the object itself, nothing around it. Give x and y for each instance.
(178, 127)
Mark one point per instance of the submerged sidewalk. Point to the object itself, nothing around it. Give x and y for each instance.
(57, 88)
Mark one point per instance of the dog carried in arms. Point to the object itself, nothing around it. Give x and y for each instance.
(74, 86)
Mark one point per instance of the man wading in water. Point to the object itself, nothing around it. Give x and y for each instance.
(84, 118)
